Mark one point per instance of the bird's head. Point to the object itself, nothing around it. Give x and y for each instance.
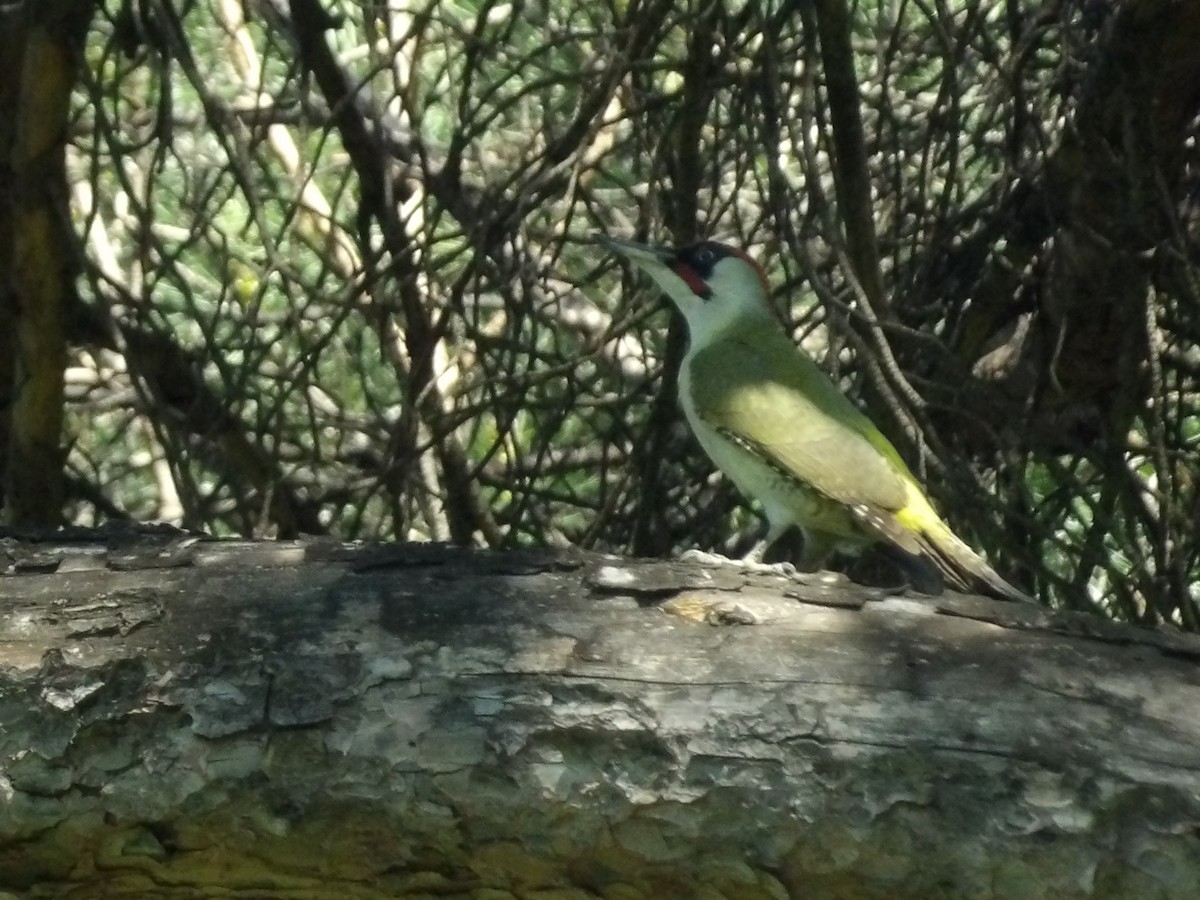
(713, 285)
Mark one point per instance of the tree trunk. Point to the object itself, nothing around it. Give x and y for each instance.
(39, 49)
(184, 718)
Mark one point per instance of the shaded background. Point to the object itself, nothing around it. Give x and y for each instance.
(271, 268)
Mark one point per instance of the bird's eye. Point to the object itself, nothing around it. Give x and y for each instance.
(705, 256)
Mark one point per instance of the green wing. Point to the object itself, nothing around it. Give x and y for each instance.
(756, 386)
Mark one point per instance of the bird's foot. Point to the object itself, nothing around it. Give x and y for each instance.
(707, 559)
(752, 562)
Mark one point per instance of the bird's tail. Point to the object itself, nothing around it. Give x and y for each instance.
(918, 533)
(961, 567)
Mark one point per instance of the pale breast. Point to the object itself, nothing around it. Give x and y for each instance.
(785, 499)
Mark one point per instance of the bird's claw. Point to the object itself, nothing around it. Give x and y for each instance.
(750, 563)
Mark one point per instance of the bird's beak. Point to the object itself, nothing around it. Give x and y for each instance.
(646, 256)
(660, 263)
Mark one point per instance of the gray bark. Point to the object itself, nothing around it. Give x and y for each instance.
(184, 719)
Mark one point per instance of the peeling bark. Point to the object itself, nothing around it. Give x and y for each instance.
(184, 718)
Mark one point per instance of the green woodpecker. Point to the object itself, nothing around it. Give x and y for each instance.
(777, 425)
